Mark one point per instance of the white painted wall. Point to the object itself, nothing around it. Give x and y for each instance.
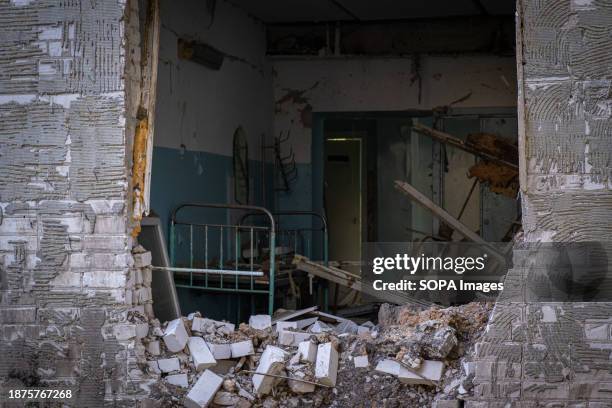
(384, 84)
(199, 107)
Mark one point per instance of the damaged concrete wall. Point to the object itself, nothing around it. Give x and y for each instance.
(65, 251)
(567, 148)
(556, 354)
(378, 84)
(199, 109)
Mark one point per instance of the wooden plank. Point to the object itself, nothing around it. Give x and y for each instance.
(292, 314)
(460, 144)
(457, 225)
(352, 281)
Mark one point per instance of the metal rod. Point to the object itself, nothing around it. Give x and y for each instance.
(231, 290)
(221, 254)
(236, 244)
(286, 378)
(209, 271)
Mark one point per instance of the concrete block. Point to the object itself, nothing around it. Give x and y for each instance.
(154, 367)
(361, 361)
(596, 331)
(280, 326)
(175, 335)
(272, 361)
(147, 276)
(300, 387)
(17, 314)
(260, 322)
(200, 354)
(428, 371)
(142, 259)
(388, 366)
(320, 327)
(124, 331)
(204, 325)
(203, 391)
(291, 338)
(153, 347)
(142, 330)
(242, 348)
(178, 379)
(220, 351)
(104, 279)
(549, 314)
(307, 351)
(326, 366)
(168, 365)
(362, 330)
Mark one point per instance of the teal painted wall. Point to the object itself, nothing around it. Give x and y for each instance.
(189, 176)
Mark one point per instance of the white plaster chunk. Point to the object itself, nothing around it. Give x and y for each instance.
(242, 348)
(220, 351)
(428, 371)
(362, 330)
(168, 365)
(320, 327)
(291, 338)
(203, 391)
(175, 336)
(153, 347)
(361, 361)
(178, 379)
(272, 361)
(260, 322)
(280, 326)
(200, 354)
(210, 326)
(326, 367)
(307, 351)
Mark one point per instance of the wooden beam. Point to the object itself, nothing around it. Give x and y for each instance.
(353, 281)
(441, 213)
(461, 144)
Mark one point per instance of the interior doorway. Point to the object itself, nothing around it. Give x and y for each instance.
(343, 197)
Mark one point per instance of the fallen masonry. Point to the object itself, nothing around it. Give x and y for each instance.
(413, 356)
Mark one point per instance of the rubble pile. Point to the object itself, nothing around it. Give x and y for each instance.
(310, 358)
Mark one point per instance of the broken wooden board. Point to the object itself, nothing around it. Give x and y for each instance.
(489, 147)
(352, 281)
(441, 213)
(292, 314)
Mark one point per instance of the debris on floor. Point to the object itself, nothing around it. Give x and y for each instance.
(412, 357)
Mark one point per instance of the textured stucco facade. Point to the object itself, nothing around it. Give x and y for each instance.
(67, 76)
(556, 354)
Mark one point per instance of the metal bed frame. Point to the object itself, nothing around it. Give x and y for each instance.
(210, 256)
